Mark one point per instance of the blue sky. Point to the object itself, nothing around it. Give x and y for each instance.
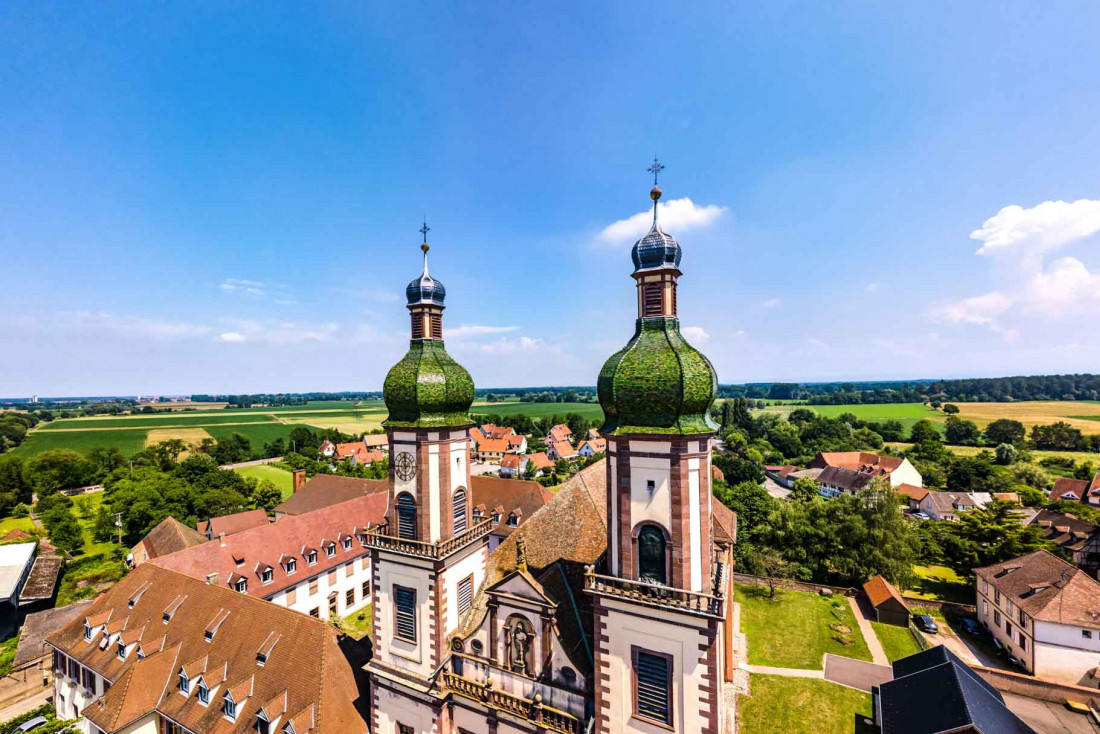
(200, 197)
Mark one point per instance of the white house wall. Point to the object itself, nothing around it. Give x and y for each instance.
(1063, 654)
(305, 602)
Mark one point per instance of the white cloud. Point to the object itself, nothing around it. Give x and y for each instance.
(815, 343)
(978, 310)
(677, 215)
(771, 303)
(282, 332)
(472, 331)
(1048, 226)
(872, 287)
(134, 325)
(695, 333)
(231, 336)
(1063, 286)
(240, 285)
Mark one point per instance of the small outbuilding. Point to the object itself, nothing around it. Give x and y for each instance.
(886, 602)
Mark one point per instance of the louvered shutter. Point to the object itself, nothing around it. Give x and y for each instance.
(465, 594)
(651, 672)
(405, 602)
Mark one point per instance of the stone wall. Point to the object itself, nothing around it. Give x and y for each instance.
(943, 606)
(791, 585)
(1044, 690)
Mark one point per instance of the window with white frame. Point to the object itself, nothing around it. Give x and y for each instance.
(291, 565)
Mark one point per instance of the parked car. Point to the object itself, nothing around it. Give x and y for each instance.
(970, 626)
(925, 624)
(922, 516)
(34, 723)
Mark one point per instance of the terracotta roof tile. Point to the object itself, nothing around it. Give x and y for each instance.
(171, 535)
(328, 489)
(879, 590)
(1047, 588)
(1064, 486)
(235, 523)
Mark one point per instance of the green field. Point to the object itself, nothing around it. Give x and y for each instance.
(802, 706)
(591, 411)
(795, 629)
(167, 420)
(281, 478)
(17, 523)
(127, 440)
(906, 413)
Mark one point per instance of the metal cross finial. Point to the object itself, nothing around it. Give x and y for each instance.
(425, 229)
(656, 168)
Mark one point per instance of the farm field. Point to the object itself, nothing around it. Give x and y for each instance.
(1079, 414)
(157, 421)
(592, 411)
(1037, 454)
(906, 413)
(127, 440)
(281, 478)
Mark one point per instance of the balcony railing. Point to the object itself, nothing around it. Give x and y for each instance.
(533, 711)
(379, 539)
(658, 595)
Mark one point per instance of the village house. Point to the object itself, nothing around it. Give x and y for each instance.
(1076, 490)
(488, 430)
(489, 450)
(896, 469)
(1046, 614)
(782, 475)
(514, 465)
(327, 449)
(561, 450)
(358, 453)
(945, 505)
(238, 522)
(517, 443)
(558, 433)
(161, 652)
(540, 461)
(315, 563)
(170, 535)
(591, 447)
(1079, 538)
(834, 481)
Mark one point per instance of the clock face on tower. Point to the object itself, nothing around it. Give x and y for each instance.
(405, 466)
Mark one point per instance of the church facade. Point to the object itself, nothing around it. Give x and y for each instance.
(609, 609)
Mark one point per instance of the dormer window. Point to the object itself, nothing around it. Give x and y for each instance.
(87, 632)
(330, 551)
(267, 576)
(261, 659)
(291, 565)
(229, 707)
(263, 726)
(347, 543)
(209, 635)
(204, 692)
(311, 557)
(496, 517)
(242, 585)
(184, 684)
(513, 521)
(121, 649)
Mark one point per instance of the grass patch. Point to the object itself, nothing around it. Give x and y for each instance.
(897, 642)
(940, 583)
(162, 420)
(128, 440)
(796, 629)
(17, 523)
(7, 653)
(85, 508)
(87, 576)
(281, 478)
(802, 706)
(359, 624)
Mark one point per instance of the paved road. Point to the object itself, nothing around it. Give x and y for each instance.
(862, 609)
(1049, 717)
(856, 673)
(27, 704)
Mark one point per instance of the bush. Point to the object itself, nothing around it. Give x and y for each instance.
(21, 510)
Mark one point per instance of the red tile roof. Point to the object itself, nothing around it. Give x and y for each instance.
(328, 489)
(492, 446)
(169, 536)
(506, 495)
(359, 452)
(247, 554)
(879, 590)
(1064, 486)
(1047, 588)
(307, 663)
(860, 461)
(540, 460)
(911, 491)
(235, 523)
(563, 449)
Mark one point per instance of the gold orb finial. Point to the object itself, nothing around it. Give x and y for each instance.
(655, 193)
(424, 247)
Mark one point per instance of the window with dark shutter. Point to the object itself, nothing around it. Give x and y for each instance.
(437, 326)
(406, 517)
(459, 507)
(651, 687)
(417, 326)
(651, 299)
(404, 601)
(465, 594)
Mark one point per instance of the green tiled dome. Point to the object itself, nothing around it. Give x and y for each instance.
(657, 383)
(428, 389)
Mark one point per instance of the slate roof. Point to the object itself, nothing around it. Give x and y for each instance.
(235, 523)
(328, 489)
(1047, 589)
(934, 691)
(307, 662)
(844, 478)
(268, 546)
(40, 624)
(169, 536)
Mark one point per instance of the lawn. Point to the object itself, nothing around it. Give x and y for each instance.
(17, 523)
(793, 630)
(898, 642)
(280, 477)
(802, 706)
(85, 508)
(940, 583)
(359, 624)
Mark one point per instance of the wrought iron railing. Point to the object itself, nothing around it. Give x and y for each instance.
(534, 711)
(645, 592)
(379, 539)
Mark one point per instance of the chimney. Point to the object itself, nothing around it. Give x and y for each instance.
(221, 537)
(299, 480)
(212, 578)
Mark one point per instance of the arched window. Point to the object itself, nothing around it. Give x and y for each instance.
(406, 516)
(459, 505)
(652, 555)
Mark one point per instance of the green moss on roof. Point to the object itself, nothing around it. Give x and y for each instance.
(428, 389)
(657, 383)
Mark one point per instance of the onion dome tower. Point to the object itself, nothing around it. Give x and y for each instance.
(427, 388)
(657, 383)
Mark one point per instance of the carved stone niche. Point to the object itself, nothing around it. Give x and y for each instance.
(519, 641)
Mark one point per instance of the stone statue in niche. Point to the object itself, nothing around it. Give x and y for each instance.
(519, 641)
